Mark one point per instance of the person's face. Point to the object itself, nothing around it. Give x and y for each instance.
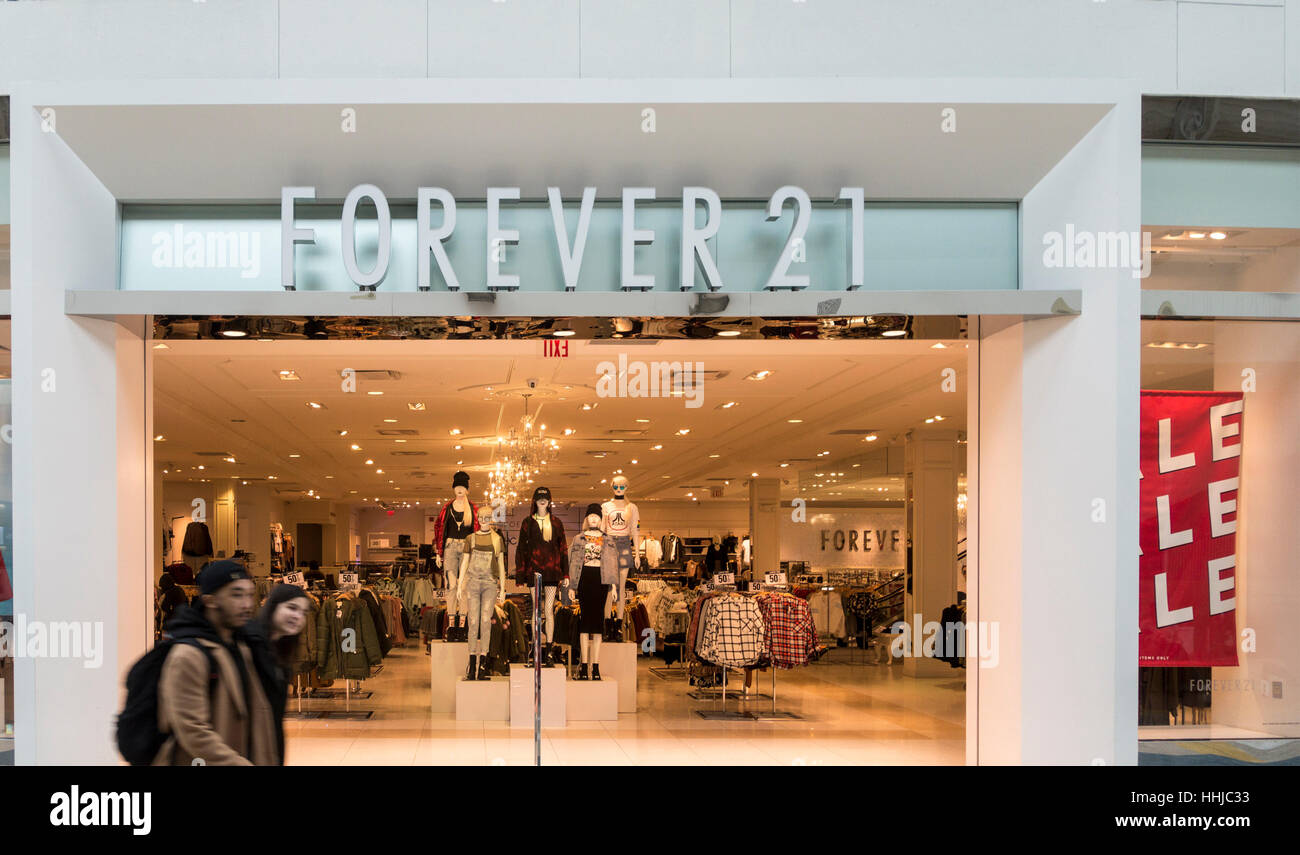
(232, 606)
(542, 505)
(290, 616)
(593, 521)
(460, 492)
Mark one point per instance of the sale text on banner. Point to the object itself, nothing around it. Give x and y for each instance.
(1190, 469)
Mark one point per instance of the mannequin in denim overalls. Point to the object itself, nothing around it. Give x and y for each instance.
(480, 589)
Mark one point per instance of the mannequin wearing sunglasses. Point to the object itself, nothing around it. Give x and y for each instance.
(621, 524)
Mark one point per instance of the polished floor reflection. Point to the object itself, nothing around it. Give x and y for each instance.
(853, 713)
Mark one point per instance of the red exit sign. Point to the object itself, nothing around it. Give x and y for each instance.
(555, 347)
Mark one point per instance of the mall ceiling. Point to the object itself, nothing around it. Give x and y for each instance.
(215, 400)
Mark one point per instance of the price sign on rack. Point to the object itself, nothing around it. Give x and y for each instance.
(295, 578)
(348, 582)
(724, 578)
(773, 578)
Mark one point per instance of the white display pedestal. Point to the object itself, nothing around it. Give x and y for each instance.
(618, 665)
(447, 664)
(593, 700)
(521, 696)
(483, 700)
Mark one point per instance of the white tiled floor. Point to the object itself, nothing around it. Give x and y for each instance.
(852, 714)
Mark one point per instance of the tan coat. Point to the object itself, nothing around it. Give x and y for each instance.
(215, 736)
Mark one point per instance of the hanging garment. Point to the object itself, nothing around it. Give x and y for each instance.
(367, 596)
(733, 633)
(792, 635)
(670, 551)
(197, 540)
(653, 552)
(353, 660)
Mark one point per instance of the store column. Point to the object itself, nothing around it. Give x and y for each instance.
(765, 524)
(932, 462)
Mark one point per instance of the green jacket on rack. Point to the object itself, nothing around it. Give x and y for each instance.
(346, 656)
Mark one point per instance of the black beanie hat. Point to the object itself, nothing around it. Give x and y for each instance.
(219, 574)
(542, 493)
(460, 479)
(593, 508)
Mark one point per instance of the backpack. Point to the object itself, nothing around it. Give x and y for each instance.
(138, 736)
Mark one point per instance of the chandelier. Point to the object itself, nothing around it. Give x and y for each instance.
(520, 457)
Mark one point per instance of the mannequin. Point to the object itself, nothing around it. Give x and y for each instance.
(457, 520)
(541, 549)
(479, 589)
(592, 578)
(621, 524)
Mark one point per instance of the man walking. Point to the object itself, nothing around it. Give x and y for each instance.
(210, 701)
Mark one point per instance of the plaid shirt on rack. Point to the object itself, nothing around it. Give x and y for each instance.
(734, 633)
(792, 633)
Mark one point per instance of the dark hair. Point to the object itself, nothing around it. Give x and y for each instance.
(287, 645)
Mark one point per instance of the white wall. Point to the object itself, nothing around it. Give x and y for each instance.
(1168, 47)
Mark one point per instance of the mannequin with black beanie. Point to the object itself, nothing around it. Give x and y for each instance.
(542, 548)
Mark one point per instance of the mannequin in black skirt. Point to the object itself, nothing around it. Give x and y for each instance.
(592, 582)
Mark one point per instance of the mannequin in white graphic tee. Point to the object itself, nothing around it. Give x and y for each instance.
(621, 523)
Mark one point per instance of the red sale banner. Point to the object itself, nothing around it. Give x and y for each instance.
(1191, 464)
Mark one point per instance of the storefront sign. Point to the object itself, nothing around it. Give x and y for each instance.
(641, 241)
(1190, 467)
(864, 538)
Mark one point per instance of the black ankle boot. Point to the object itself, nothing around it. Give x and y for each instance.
(484, 670)
(595, 672)
(471, 673)
(582, 671)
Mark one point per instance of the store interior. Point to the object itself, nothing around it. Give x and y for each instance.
(336, 455)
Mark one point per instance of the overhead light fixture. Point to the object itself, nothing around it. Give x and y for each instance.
(399, 440)
(369, 461)
(562, 333)
(727, 405)
(379, 472)
(938, 345)
(415, 405)
(759, 375)
(1218, 235)
(728, 333)
(316, 405)
(634, 460)
(1196, 235)
(343, 433)
(288, 374)
(753, 474)
(228, 459)
(374, 392)
(929, 421)
(871, 437)
(1178, 345)
(201, 466)
(656, 447)
(295, 455)
(390, 421)
(784, 465)
(454, 431)
(234, 333)
(938, 418)
(589, 406)
(569, 431)
(160, 438)
(683, 431)
(457, 447)
(161, 346)
(356, 447)
(893, 333)
(714, 455)
(794, 421)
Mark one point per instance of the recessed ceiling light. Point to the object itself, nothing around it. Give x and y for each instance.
(288, 374)
(201, 466)
(379, 472)
(1217, 235)
(415, 405)
(369, 461)
(228, 459)
(929, 421)
(295, 455)
(938, 418)
(715, 455)
(315, 405)
(784, 465)
(563, 333)
(656, 447)
(159, 438)
(1196, 235)
(795, 421)
(893, 333)
(938, 345)
(753, 474)
(634, 460)
(390, 421)
(459, 462)
(160, 346)
(683, 431)
(458, 447)
(589, 406)
(343, 433)
(374, 392)
(728, 333)
(329, 476)
(727, 405)
(760, 375)
(454, 431)
(242, 333)
(1178, 345)
(871, 437)
(399, 440)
